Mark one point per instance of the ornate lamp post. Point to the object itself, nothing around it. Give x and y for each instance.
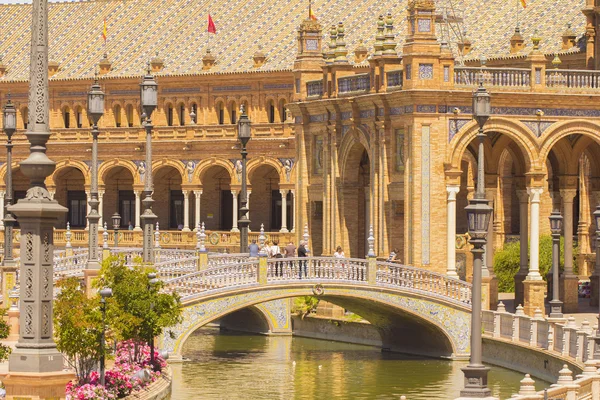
(36, 352)
(116, 220)
(104, 294)
(478, 219)
(152, 281)
(9, 126)
(595, 279)
(244, 132)
(556, 228)
(149, 100)
(95, 112)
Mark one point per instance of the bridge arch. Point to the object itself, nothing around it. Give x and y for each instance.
(443, 328)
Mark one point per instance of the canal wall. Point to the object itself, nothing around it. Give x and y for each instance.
(338, 330)
(158, 390)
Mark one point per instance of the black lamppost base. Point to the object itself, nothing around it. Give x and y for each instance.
(475, 382)
(556, 309)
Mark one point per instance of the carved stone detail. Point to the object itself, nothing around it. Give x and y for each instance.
(29, 319)
(28, 283)
(46, 248)
(29, 246)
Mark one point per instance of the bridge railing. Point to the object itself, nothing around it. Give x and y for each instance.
(214, 278)
(403, 276)
(174, 268)
(320, 268)
(216, 259)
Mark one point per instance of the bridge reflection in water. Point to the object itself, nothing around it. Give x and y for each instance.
(226, 365)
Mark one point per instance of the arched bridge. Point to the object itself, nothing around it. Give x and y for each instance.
(415, 310)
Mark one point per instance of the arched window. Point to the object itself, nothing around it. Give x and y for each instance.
(282, 110)
(182, 114)
(233, 113)
(220, 113)
(170, 115)
(79, 117)
(194, 113)
(118, 116)
(271, 111)
(25, 116)
(129, 115)
(66, 117)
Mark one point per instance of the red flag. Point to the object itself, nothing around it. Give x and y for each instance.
(211, 25)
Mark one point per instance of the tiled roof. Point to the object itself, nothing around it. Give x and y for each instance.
(177, 30)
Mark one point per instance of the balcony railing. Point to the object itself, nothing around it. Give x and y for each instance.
(354, 84)
(314, 88)
(394, 79)
(573, 79)
(498, 77)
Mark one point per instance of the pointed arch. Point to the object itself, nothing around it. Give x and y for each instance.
(351, 138)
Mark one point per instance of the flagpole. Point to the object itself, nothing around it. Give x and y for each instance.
(518, 13)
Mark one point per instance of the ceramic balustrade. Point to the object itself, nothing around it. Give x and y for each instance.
(320, 268)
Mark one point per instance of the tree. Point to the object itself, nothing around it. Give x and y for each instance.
(4, 332)
(78, 327)
(507, 261)
(137, 311)
(305, 305)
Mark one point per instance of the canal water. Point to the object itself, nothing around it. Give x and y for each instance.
(239, 366)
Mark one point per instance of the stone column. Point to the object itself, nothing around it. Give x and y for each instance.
(234, 228)
(283, 211)
(293, 230)
(186, 211)
(534, 284)
(101, 209)
(137, 210)
(2, 193)
(451, 235)
(197, 197)
(569, 294)
(88, 197)
(524, 244)
(248, 206)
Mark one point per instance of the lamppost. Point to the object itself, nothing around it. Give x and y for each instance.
(152, 281)
(10, 126)
(244, 132)
(95, 112)
(116, 220)
(104, 294)
(555, 228)
(478, 219)
(596, 280)
(149, 100)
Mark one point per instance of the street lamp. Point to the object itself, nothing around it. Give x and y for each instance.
(149, 100)
(95, 112)
(104, 294)
(478, 219)
(244, 132)
(556, 229)
(596, 280)
(152, 281)
(116, 220)
(9, 126)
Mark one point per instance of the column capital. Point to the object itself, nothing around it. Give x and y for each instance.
(185, 192)
(523, 196)
(535, 193)
(452, 191)
(101, 192)
(568, 195)
(284, 192)
(197, 192)
(234, 193)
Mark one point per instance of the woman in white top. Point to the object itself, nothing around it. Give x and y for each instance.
(339, 253)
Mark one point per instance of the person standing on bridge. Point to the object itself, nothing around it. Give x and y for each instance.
(253, 248)
(302, 263)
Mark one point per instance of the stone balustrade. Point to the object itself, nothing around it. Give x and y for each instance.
(314, 89)
(354, 84)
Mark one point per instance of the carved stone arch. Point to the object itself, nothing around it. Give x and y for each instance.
(254, 163)
(68, 163)
(504, 143)
(170, 163)
(517, 131)
(15, 165)
(206, 164)
(355, 135)
(561, 130)
(118, 162)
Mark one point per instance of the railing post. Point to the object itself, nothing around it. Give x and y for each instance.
(498, 319)
(537, 316)
(371, 259)
(517, 323)
(262, 268)
(105, 248)
(581, 341)
(201, 250)
(68, 247)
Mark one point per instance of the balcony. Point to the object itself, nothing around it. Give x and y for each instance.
(314, 89)
(573, 79)
(394, 80)
(354, 85)
(513, 78)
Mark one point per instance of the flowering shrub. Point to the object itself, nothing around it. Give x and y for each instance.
(123, 379)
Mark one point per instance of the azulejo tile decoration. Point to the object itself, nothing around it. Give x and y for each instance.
(425, 71)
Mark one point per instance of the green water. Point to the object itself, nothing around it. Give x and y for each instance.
(236, 366)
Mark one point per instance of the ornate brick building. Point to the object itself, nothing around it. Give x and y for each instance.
(363, 123)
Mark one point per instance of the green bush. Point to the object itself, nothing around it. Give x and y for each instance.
(507, 261)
